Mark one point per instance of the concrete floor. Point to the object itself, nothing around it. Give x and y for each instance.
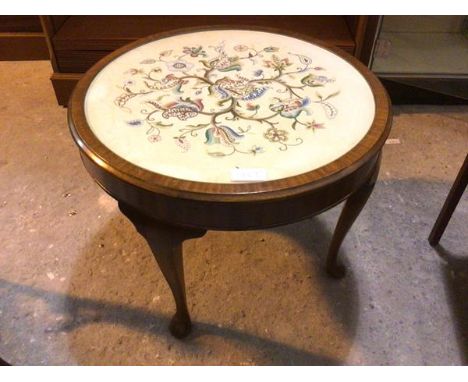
(78, 285)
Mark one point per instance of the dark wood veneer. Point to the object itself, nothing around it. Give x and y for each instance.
(111, 32)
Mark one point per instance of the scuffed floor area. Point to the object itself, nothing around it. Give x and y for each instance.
(78, 285)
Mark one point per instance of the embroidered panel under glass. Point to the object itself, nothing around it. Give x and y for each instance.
(197, 106)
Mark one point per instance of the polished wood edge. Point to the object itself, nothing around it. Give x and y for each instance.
(285, 187)
(223, 213)
(22, 35)
(48, 29)
(370, 34)
(66, 76)
(359, 34)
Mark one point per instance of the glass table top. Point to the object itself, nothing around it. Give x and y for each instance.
(224, 106)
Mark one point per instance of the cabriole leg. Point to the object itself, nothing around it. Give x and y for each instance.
(351, 210)
(166, 244)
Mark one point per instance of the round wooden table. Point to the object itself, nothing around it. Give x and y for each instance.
(227, 129)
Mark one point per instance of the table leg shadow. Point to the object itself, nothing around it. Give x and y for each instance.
(85, 311)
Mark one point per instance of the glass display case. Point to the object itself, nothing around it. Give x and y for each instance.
(427, 53)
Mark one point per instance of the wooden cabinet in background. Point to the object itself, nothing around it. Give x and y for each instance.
(22, 38)
(77, 42)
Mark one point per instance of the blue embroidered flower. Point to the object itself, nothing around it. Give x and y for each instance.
(258, 73)
(255, 93)
(291, 108)
(316, 81)
(221, 134)
(134, 122)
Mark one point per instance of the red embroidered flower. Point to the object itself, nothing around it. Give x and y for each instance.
(314, 125)
(154, 138)
(183, 109)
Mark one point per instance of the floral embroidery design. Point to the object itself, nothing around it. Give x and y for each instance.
(275, 135)
(179, 66)
(181, 109)
(211, 84)
(195, 51)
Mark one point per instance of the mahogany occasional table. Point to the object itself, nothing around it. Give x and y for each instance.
(229, 129)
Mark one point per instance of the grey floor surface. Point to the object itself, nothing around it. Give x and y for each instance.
(79, 286)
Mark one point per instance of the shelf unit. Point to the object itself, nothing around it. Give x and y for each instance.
(22, 38)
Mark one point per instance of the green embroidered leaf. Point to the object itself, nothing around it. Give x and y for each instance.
(148, 61)
(331, 95)
(199, 125)
(161, 97)
(163, 125)
(206, 64)
(235, 67)
(217, 154)
(223, 101)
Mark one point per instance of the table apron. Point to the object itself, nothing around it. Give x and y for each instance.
(225, 215)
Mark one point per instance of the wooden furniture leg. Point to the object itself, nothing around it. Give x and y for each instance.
(3, 362)
(166, 244)
(450, 204)
(351, 210)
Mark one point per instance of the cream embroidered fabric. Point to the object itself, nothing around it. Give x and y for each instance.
(196, 106)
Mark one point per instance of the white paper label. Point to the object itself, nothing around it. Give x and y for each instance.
(248, 174)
